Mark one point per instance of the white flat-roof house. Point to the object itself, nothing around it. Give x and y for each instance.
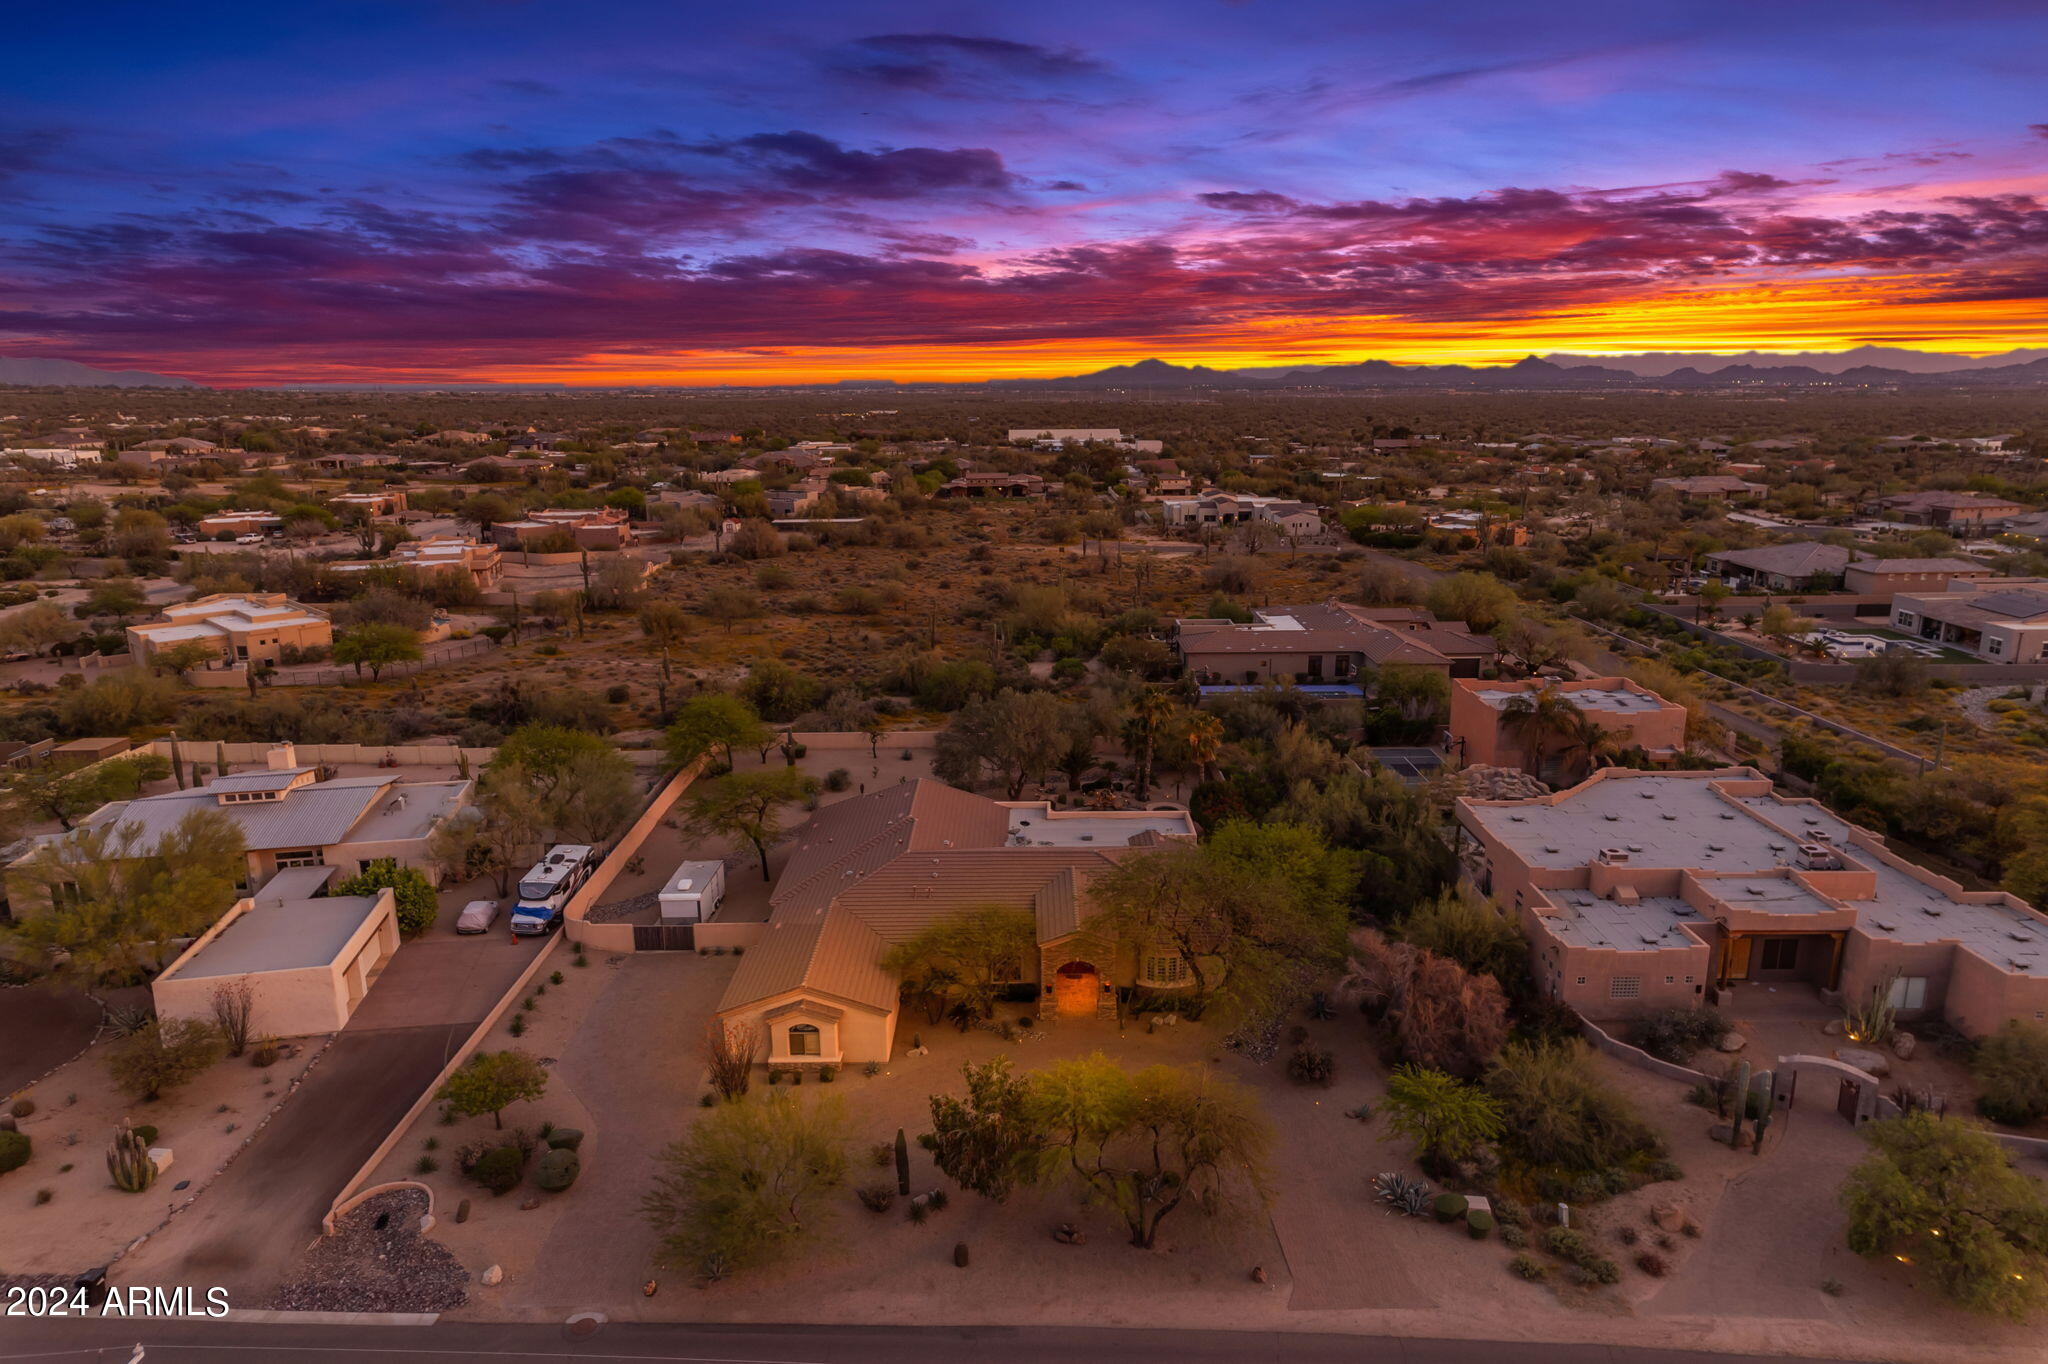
(63, 456)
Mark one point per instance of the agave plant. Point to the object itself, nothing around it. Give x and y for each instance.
(1409, 1197)
(128, 1162)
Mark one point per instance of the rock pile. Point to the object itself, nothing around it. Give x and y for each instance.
(1480, 782)
(368, 1267)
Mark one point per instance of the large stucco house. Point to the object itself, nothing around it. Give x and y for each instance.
(1641, 891)
(876, 870)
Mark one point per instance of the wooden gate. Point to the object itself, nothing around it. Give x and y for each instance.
(664, 937)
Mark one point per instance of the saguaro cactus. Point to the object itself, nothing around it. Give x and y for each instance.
(128, 1162)
(1741, 1104)
(902, 1165)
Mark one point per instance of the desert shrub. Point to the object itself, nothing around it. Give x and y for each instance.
(147, 1132)
(1555, 1112)
(838, 779)
(563, 1138)
(15, 1149)
(1478, 1224)
(1529, 1267)
(23, 1108)
(878, 1198)
(1675, 1034)
(162, 1055)
(2011, 1071)
(557, 1168)
(1312, 1066)
(500, 1169)
(1514, 1237)
(1653, 1264)
(1449, 1207)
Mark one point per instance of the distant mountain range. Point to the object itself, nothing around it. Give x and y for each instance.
(2016, 368)
(37, 373)
(1659, 363)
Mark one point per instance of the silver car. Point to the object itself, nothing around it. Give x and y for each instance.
(477, 916)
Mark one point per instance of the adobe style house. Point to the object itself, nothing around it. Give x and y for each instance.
(1641, 891)
(992, 484)
(1328, 644)
(589, 528)
(246, 627)
(482, 564)
(1483, 727)
(1708, 487)
(307, 962)
(878, 869)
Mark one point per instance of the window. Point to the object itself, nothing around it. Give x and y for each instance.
(304, 857)
(1625, 987)
(1994, 645)
(1582, 980)
(1904, 620)
(1909, 992)
(805, 1040)
(1167, 968)
(1780, 954)
(1671, 980)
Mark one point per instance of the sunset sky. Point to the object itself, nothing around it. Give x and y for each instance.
(622, 192)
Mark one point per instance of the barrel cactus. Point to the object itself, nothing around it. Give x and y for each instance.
(128, 1161)
(558, 1169)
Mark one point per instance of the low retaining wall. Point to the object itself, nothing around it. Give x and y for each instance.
(1604, 1041)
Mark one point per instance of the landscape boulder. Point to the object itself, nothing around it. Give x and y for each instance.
(1731, 1042)
(493, 1276)
(1903, 1044)
(1864, 1059)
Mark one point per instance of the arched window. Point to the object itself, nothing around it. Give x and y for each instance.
(804, 1040)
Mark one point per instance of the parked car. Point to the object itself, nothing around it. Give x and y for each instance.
(477, 916)
(250, 539)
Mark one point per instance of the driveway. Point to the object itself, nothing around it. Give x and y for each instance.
(245, 1232)
(44, 1027)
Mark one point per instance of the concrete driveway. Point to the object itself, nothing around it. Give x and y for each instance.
(246, 1231)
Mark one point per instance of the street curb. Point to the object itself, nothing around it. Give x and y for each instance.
(259, 1318)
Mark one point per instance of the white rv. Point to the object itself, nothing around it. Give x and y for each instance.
(545, 890)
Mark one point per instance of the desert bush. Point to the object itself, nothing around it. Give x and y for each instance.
(15, 1149)
(2011, 1071)
(1409, 1197)
(161, 1056)
(557, 1168)
(1529, 1267)
(878, 1198)
(1653, 1264)
(1310, 1065)
(1675, 1034)
(1449, 1207)
(1556, 1113)
(22, 1108)
(500, 1169)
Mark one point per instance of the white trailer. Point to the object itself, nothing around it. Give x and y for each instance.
(694, 893)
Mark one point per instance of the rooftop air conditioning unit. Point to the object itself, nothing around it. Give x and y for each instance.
(1614, 857)
(1819, 857)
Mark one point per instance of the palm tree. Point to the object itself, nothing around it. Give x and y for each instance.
(1540, 720)
(1594, 743)
(1203, 735)
(1149, 714)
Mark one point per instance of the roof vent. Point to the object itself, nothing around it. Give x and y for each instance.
(1669, 815)
(1716, 847)
(1550, 847)
(2019, 937)
(1930, 911)
(1635, 847)
(1881, 924)
(1518, 819)
(1611, 818)
(1727, 815)
(1753, 890)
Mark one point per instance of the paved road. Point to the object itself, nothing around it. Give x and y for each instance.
(460, 1343)
(245, 1232)
(44, 1027)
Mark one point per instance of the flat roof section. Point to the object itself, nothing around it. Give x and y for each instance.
(291, 936)
(1616, 699)
(1043, 827)
(1650, 924)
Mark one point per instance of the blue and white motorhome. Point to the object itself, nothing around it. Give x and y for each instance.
(545, 890)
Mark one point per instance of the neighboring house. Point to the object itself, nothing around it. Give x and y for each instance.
(2005, 622)
(1708, 487)
(1965, 511)
(63, 456)
(1482, 726)
(177, 446)
(1234, 509)
(876, 870)
(590, 528)
(370, 504)
(1798, 565)
(1884, 577)
(1641, 891)
(993, 484)
(307, 962)
(289, 818)
(239, 523)
(796, 500)
(1329, 643)
(482, 564)
(245, 626)
(1060, 437)
(344, 463)
(85, 752)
